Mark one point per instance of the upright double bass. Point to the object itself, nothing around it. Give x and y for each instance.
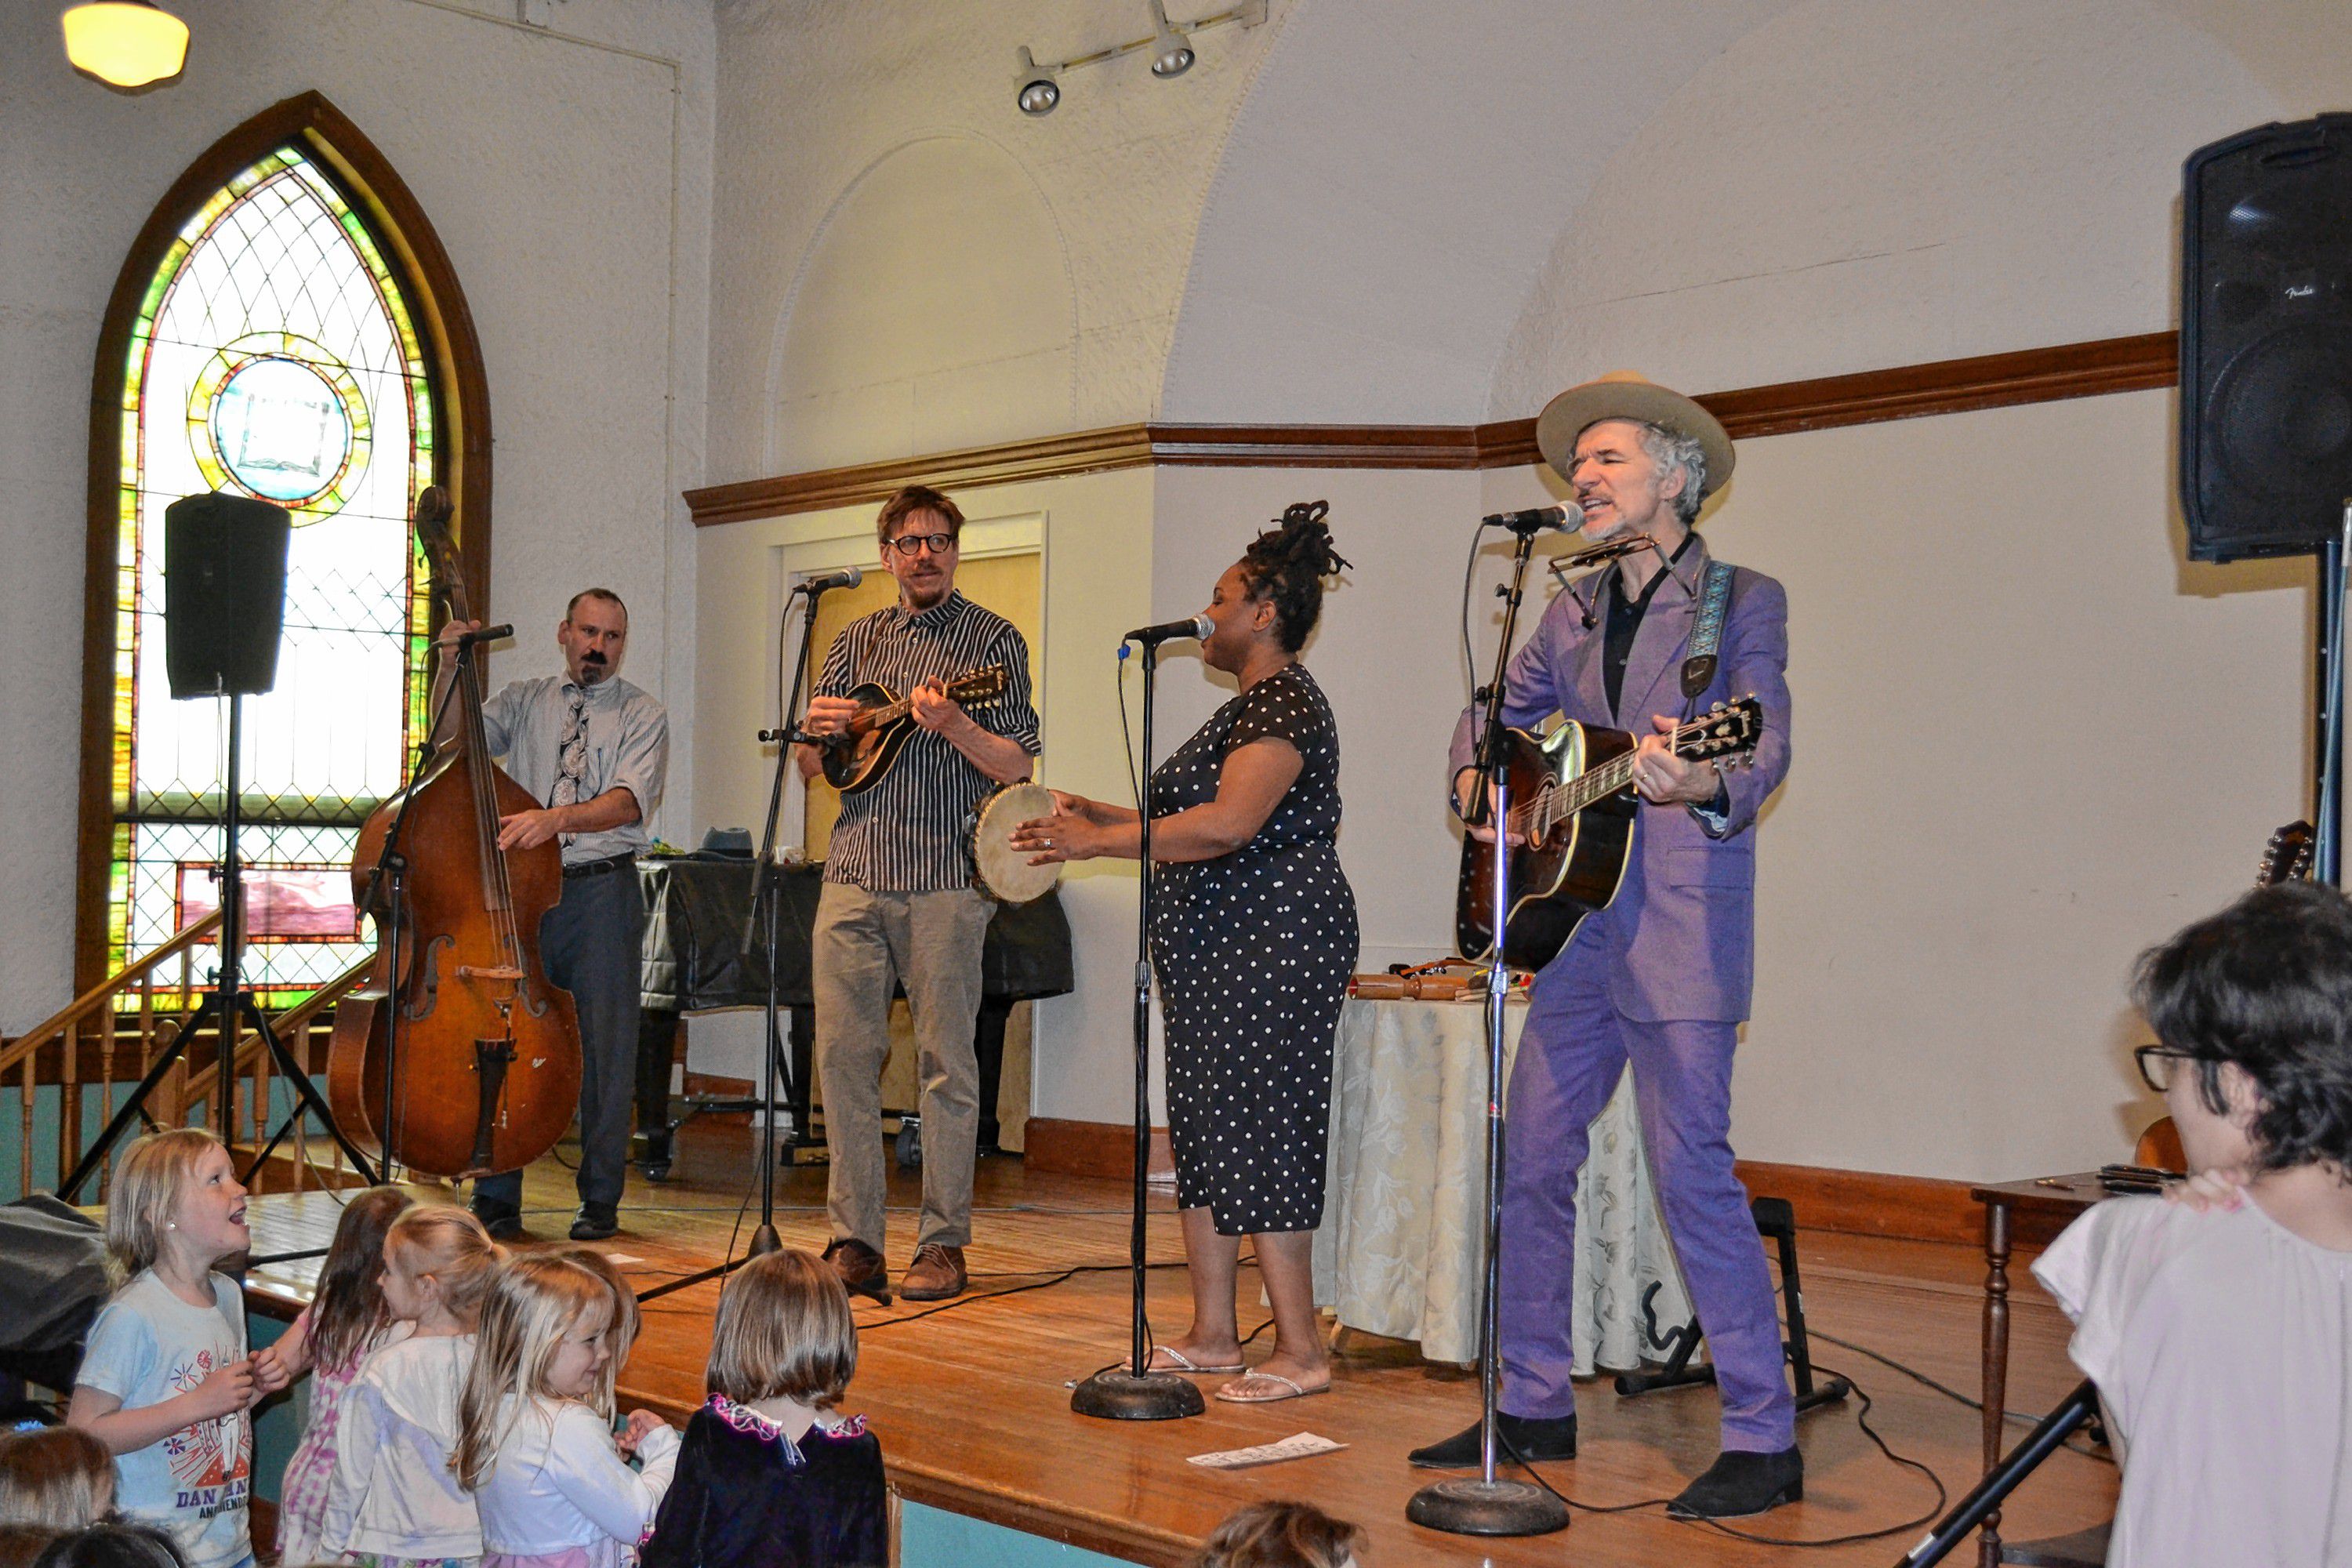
(457, 1057)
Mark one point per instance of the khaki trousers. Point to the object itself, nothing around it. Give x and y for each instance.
(929, 942)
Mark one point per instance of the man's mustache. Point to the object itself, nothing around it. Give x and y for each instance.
(592, 658)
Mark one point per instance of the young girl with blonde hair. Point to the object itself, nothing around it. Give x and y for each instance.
(540, 1461)
(346, 1320)
(621, 1338)
(164, 1381)
(392, 1501)
(769, 1477)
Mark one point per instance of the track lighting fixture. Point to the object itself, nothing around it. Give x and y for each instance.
(1038, 91)
(1171, 54)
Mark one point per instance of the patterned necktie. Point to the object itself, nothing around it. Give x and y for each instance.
(572, 761)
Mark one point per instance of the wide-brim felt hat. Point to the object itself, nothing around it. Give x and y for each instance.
(1629, 395)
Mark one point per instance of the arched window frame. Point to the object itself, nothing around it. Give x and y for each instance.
(460, 386)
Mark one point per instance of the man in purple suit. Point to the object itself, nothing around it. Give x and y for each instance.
(1660, 978)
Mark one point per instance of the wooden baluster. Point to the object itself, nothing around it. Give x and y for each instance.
(70, 1101)
(114, 1017)
(301, 1122)
(25, 1122)
(175, 1096)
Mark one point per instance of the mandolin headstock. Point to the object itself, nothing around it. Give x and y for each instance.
(980, 686)
(1727, 730)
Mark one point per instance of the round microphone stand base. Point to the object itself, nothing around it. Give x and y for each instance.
(1120, 1395)
(1469, 1506)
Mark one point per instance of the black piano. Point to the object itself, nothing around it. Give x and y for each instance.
(697, 907)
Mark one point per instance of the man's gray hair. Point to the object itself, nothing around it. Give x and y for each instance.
(1671, 449)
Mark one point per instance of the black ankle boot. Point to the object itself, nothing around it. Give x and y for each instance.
(1738, 1484)
(1531, 1438)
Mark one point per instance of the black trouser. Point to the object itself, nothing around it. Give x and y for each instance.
(589, 943)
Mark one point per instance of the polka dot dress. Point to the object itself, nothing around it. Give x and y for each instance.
(1254, 949)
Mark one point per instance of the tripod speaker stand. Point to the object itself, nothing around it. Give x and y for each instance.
(224, 600)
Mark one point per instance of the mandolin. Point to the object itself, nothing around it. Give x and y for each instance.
(855, 758)
(1572, 799)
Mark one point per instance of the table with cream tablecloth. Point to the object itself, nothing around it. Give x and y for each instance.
(1400, 1250)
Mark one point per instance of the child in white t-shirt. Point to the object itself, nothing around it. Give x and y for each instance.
(542, 1462)
(2220, 1333)
(164, 1382)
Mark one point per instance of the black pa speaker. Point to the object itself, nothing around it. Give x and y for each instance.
(224, 593)
(2266, 340)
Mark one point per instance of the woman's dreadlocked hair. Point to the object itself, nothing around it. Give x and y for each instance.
(1287, 563)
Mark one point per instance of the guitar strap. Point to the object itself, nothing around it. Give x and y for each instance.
(1707, 632)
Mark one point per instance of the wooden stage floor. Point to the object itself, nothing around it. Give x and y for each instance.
(972, 1406)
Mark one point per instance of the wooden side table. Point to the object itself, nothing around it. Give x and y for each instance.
(2053, 1202)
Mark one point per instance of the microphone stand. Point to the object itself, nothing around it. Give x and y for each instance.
(765, 898)
(1136, 1392)
(1489, 1505)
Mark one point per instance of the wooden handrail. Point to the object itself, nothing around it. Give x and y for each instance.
(96, 999)
(286, 1024)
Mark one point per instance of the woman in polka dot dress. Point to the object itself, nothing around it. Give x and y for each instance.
(1254, 936)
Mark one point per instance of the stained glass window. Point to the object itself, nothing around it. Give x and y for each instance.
(274, 355)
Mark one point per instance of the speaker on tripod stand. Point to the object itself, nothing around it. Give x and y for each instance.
(224, 614)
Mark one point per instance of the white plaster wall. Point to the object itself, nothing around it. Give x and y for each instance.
(1860, 184)
(814, 101)
(566, 171)
(893, 344)
(1095, 532)
(1393, 186)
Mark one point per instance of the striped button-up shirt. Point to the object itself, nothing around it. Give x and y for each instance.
(906, 835)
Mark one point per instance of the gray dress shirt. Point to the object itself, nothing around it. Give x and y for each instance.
(628, 744)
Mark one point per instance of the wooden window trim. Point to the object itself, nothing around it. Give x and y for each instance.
(460, 386)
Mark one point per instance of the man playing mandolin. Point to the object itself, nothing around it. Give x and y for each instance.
(1661, 976)
(898, 903)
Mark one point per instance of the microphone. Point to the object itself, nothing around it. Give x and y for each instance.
(1527, 522)
(1196, 626)
(847, 577)
(487, 634)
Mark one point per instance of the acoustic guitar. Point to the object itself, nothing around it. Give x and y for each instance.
(855, 757)
(1572, 800)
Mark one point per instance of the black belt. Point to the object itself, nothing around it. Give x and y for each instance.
(598, 868)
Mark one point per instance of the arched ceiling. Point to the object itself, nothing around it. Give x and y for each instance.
(1394, 186)
(1414, 201)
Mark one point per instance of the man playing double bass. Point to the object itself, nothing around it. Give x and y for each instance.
(592, 748)
(1661, 977)
(899, 904)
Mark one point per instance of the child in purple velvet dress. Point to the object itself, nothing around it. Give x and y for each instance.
(768, 1478)
(345, 1321)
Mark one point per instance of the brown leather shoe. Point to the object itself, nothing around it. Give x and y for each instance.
(862, 1270)
(936, 1274)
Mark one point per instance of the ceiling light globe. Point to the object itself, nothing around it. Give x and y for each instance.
(1039, 97)
(1169, 64)
(126, 43)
